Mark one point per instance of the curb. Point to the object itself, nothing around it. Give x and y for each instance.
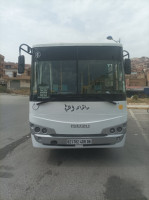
(13, 94)
(138, 107)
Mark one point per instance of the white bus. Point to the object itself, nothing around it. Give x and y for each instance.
(77, 95)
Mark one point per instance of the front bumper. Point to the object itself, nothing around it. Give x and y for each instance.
(98, 141)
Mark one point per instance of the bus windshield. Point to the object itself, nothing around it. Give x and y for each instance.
(77, 78)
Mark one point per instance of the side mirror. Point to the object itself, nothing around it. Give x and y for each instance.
(127, 66)
(21, 64)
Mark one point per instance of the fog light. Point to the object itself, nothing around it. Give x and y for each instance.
(119, 129)
(112, 130)
(54, 142)
(118, 138)
(37, 129)
(39, 139)
(44, 130)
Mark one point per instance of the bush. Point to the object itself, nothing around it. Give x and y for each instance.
(3, 89)
(135, 97)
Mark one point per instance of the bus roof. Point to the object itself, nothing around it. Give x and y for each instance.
(77, 44)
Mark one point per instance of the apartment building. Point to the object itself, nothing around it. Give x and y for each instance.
(15, 80)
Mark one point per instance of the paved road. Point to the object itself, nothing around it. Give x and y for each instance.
(87, 174)
(13, 118)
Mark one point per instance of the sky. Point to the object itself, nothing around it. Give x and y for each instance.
(73, 21)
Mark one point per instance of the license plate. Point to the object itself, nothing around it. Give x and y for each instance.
(79, 141)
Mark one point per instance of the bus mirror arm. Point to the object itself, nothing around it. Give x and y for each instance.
(127, 53)
(28, 49)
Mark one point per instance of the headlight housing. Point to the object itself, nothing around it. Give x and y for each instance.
(119, 129)
(36, 129)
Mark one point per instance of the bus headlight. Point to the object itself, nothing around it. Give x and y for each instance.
(119, 129)
(37, 129)
(112, 130)
(44, 130)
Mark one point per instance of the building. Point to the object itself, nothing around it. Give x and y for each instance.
(15, 80)
(10, 69)
(1, 66)
(147, 77)
(140, 73)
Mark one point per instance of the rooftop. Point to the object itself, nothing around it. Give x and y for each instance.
(77, 44)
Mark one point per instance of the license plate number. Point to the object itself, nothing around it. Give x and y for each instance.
(79, 141)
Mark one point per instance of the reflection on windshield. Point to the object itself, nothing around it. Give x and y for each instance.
(96, 77)
(84, 77)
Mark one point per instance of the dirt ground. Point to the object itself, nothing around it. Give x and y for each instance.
(138, 101)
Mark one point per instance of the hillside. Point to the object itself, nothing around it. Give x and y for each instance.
(138, 64)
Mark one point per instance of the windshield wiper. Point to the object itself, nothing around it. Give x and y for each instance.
(107, 100)
(92, 96)
(45, 101)
(111, 102)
